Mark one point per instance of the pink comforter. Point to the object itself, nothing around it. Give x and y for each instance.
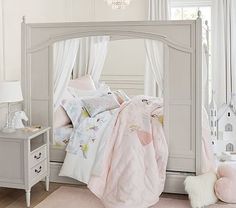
(135, 159)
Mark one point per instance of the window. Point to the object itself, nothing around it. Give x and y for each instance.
(229, 147)
(228, 127)
(188, 10)
(190, 13)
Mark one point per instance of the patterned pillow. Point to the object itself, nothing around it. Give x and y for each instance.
(75, 110)
(96, 105)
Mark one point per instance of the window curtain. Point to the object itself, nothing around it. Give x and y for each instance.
(158, 10)
(224, 50)
(91, 57)
(64, 56)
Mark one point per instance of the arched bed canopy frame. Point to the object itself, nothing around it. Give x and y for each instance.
(182, 80)
(123, 34)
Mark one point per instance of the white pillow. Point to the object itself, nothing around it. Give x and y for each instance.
(201, 189)
(103, 90)
(83, 83)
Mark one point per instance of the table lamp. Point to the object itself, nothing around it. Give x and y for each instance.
(10, 92)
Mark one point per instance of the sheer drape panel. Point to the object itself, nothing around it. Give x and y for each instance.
(154, 50)
(91, 57)
(82, 60)
(224, 49)
(233, 49)
(158, 10)
(64, 53)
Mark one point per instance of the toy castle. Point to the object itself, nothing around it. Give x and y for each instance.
(227, 128)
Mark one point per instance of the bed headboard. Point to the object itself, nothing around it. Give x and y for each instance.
(182, 80)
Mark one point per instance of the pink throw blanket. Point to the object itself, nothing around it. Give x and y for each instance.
(135, 159)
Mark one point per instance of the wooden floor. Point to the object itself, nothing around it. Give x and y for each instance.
(15, 198)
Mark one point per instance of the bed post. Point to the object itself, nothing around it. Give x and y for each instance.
(184, 99)
(51, 92)
(25, 74)
(198, 93)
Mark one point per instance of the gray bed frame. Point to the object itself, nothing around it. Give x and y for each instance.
(182, 83)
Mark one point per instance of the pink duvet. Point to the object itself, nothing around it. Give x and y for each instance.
(135, 159)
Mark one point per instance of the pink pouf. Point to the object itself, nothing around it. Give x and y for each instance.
(225, 186)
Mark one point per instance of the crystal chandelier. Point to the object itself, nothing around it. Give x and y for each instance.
(118, 4)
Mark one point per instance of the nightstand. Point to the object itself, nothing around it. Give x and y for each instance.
(24, 159)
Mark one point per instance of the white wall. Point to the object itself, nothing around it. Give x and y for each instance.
(35, 11)
(125, 66)
(125, 63)
(52, 11)
(11, 12)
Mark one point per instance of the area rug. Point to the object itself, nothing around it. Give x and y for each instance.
(72, 197)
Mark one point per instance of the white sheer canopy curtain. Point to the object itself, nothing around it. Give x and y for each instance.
(224, 50)
(64, 53)
(158, 10)
(91, 57)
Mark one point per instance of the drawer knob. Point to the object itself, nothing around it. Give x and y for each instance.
(38, 157)
(38, 170)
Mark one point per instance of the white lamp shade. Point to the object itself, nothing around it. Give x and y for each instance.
(10, 91)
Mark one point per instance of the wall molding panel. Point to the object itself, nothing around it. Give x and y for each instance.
(131, 84)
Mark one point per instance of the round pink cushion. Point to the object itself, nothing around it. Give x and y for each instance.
(225, 186)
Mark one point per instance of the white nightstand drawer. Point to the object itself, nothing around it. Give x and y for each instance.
(27, 157)
(38, 170)
(38, 155)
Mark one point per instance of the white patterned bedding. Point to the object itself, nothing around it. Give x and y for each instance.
(87, 144)
(121, 154)
(62, 135)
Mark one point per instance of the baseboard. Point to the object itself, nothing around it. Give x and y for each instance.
(174, 180)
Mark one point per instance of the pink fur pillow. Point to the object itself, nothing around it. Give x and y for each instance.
(225, 186)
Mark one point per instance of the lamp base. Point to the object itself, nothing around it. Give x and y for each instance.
(8, 127)
(8, 130)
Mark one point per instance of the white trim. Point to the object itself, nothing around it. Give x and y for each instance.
(131, 84)
(112, 33)
(190, 3)
(198, 101)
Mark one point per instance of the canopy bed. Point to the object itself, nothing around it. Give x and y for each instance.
(182, 42)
